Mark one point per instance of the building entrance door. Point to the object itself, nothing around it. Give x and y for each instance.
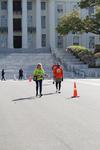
(17, 41)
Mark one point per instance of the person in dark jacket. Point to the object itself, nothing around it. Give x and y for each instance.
(20, 74)
(3, 74)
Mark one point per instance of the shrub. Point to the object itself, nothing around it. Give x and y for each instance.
(89, 59)
(97, 48)
(97, 59)
(83, 54)
(76, 49)
(97, 55)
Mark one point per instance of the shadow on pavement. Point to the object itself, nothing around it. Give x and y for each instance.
(24, 98)
(31, 98)
(49, 94)
(72, 98)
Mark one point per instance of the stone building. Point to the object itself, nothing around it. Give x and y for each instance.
(32, 23)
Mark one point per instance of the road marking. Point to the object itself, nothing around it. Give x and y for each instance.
(88, 83)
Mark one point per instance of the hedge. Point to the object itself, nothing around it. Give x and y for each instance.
(83, 54)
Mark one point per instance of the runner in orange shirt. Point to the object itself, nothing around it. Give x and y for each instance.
(53, 71)
(58, 77)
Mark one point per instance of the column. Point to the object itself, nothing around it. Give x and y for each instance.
(10, 23)
(52, 26)
(38, 24)
(24, 25)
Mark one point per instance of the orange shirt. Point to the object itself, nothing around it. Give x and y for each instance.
(58, 73)
(54, 69)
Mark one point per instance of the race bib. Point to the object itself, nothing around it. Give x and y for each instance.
(58, 71)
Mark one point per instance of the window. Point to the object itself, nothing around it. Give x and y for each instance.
(17, 6)
(91, 42)
(43, 5)
(17, 24)
(30, 38)
(29, 21)
(60, 41)
(3, 21)
(60, 8)
(4, 5)
(3, 41)
(43, 22)
(43, 40)
(75, 7)
(76, 40)
(91, 11)
(29, 5)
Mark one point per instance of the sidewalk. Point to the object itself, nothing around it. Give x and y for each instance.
(52, 122)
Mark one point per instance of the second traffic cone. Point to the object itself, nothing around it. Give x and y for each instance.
(75, 91)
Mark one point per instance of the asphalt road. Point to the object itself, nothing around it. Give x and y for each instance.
(52, 122)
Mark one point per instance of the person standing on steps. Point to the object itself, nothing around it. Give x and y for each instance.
(38, 76)
(58, 77)
(20, 74)
(3, 74)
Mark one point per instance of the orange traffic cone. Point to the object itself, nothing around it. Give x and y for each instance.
(75, 91)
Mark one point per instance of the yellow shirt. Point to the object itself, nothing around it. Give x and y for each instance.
(39, 73)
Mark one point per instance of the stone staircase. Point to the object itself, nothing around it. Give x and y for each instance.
(73, 64)
(12, 62)
(24, 50)
(14, 59)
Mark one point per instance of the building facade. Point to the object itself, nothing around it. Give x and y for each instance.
(32, 24)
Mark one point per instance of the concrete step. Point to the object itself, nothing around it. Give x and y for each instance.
(24, 50)
(13, 61)
(91, 72)
(25, 59)
(73, 61)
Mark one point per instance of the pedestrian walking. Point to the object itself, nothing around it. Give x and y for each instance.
(58, 77)
(53, 71)
(20, 74)
(3, 74)
(38, 76)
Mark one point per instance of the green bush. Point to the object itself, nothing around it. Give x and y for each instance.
(76, 49)
(83, 54)
(97, 59)
(97, 48)
(97, 55)
(88, 59)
